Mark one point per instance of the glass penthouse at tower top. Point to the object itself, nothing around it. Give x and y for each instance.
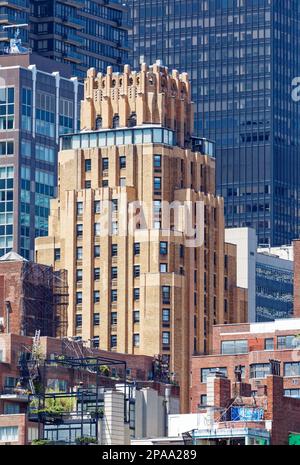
(242, 56)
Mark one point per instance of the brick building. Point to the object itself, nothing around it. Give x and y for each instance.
(144, 395)
(249, 347)
(235, 416)
(149, 290)
(32, 297)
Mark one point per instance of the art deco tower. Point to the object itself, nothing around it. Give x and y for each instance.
(138, 280)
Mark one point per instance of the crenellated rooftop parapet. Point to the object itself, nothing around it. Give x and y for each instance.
(150, 96)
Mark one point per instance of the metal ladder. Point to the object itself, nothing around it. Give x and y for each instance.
(33, 371)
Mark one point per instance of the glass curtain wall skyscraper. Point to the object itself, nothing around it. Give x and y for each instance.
(242, 56)
(85, 33)
(40, 100)
(82, 33)
(37, 105)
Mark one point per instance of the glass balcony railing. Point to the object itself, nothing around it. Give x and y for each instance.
(72, 37)
(72, 55)
(73, 20)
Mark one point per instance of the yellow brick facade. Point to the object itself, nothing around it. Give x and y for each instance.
(119, 117)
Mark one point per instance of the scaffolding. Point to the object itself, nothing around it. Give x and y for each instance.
(44, 300)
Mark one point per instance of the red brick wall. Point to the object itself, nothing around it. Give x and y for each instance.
(256, 344)
(22, 423)
(15, 420)
(28, 288)
(222, 391)
(10, 277)
(256, 354)
(2, 313)
(211, 361)
(283, 411)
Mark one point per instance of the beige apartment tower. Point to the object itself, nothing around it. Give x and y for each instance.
(132, 185)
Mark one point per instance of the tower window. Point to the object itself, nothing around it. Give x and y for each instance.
(56, 254)
(132, 121)
(96, 342)
(136, 340)
(114, 295)
(166, 294)
(88, 165)
(113, 341)
(136, 294)
(96, 297)
(97, 206)
(136, 271)
(116, 121)
(163, 248)
(157, 161)
(114, 272)
(122, 162)
(78, 321)
(136, 316)
(105, 164)
(98, 122)
(114, 250)
(136, 248)
(96, 319)
(114, 318)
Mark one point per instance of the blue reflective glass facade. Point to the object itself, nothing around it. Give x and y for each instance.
(83, 33)
(274, 292)
(36, 107)
(242, 56)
